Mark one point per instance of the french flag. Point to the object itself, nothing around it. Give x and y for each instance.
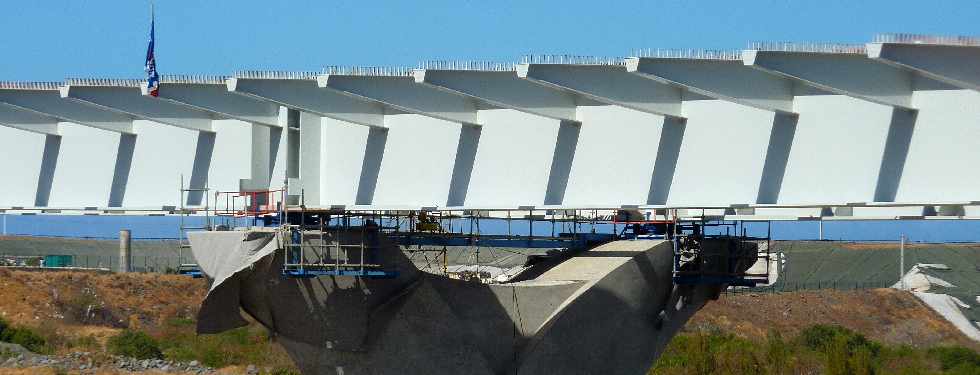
(152, 78)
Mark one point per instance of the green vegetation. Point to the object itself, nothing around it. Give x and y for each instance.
(134, 344)
(822, 349)
(25, 337)
(241, 346)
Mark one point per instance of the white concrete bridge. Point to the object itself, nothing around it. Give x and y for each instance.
(884, 130)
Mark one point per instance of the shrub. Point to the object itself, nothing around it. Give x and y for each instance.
(23, 336)
(824, 338)
(134, 344)
(951, 357)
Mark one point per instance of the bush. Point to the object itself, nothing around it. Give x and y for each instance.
(22, 336)
(824, 338)
(135, 344)
(955, 357)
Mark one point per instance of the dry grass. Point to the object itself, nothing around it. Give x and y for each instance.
(886, 315)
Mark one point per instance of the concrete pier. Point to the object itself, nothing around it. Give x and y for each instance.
(125, 251)
(609, 310)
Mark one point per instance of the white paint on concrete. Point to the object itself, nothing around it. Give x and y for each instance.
(231, 159)
(418, 161)
(85, 166)
(722, 154)
(614, 158)
(155, 178)
(518, 146)
(20, 160)
(838, 146)
(938, 155)
(343, 152)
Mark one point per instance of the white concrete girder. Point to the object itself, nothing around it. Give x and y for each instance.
(728, 80)
(14, 117)
(850, 74)
(403, 96)
(857, 76)
(402, 93)
(309, 107)
(722, 79)
(610, 84)
(936, 61)
(46, 99)
(211, 94)
(303, 94)
(505, 89)
(29, 121)
(124, 96)
(499, 88)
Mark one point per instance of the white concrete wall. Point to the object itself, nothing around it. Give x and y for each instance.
(85, 167)
(722, 154)
(342, 156)
(837, 150)
(162, 154)
(614, 159)
(943, 157)
(231, 159)
(418, 161)
(513, 159)
(20, 161)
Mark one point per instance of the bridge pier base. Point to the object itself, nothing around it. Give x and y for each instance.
(609, 310)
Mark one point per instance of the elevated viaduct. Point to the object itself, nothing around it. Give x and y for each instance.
(778, 130)
(884, 130)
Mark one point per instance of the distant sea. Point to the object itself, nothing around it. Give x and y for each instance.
(166, 227)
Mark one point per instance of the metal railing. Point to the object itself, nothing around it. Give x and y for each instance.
(8, 85)
(275, 74)
(571, 60)
(691, 53)
(369, 71)
(111, 82)
(808, 47)
(486, 66)
(927, 39)
(193, 79)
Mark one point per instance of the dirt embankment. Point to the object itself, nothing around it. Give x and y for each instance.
(78, 299)
(885, 315)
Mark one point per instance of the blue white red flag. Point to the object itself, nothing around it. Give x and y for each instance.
(152, 78)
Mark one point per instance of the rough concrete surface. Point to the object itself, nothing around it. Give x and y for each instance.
(609, 310)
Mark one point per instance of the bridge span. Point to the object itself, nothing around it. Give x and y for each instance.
(882, 130)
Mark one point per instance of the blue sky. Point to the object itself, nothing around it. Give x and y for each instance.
(54, 39)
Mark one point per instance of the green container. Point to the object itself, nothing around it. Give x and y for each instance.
(58, 260)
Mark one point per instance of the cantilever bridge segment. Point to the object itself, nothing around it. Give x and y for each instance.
(778, 130)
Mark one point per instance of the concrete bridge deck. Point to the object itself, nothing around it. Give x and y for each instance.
(785, 130)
